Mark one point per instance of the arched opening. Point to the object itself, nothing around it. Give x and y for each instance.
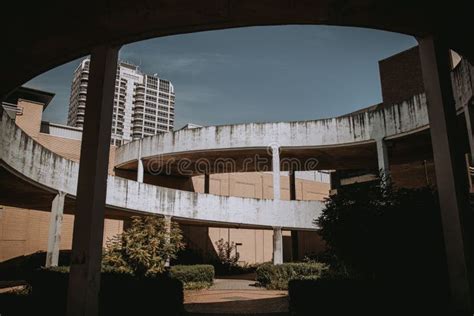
(230, 16)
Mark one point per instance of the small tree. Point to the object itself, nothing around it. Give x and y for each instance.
(227, 254)
(144, 248)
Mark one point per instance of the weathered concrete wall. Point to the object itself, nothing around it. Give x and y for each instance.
(462, 78)
(42, 167)
(345, 130)
(30, 122)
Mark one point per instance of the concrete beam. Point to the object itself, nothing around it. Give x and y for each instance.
(277, 245)
(84, 279)
(54, 234)
(276, 171)
(450, 168)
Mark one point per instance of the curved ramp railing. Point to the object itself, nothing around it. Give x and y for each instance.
(360, 127)
(45, 169)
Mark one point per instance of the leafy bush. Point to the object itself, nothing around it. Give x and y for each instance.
(277, 276)
(144, 248)
(227, 253)
(193, 276)
(386, 234)
(120, 293)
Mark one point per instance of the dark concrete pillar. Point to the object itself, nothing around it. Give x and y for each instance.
(450, 167)
(335, 180)
(294, 233)
(207, 181)
(292, 180)
(295, 242)
(469, 117)
(276, 171)
(84, 279)
(127, 224)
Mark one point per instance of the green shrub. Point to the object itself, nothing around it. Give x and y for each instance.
(120, 293)
(238, 269)
(277, 276)
(193, 276)
(144, 248)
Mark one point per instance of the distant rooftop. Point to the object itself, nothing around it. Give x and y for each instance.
(30, 94)
(190, 126)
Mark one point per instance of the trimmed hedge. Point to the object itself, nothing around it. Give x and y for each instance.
(193, 276)
(120, 294)
(22, 267)
(361, 297)
(276, 277)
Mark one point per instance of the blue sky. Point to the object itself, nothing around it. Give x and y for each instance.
(257, 74)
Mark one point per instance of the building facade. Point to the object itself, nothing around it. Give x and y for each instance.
(143, 104)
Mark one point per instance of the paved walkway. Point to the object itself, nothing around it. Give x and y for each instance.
(235, 284)
(236, 297)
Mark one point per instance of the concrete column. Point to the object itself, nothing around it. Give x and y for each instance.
(468, 115)
(292, 186)
(276, 171)
(295, 242)
(450, 168)
(294, 233)
(277, 245)
(140, 169)
(168, 235)
(54, 235)
(335, 180)
(127, 224)
(206, 183)
(382, 157)
(84, 278)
